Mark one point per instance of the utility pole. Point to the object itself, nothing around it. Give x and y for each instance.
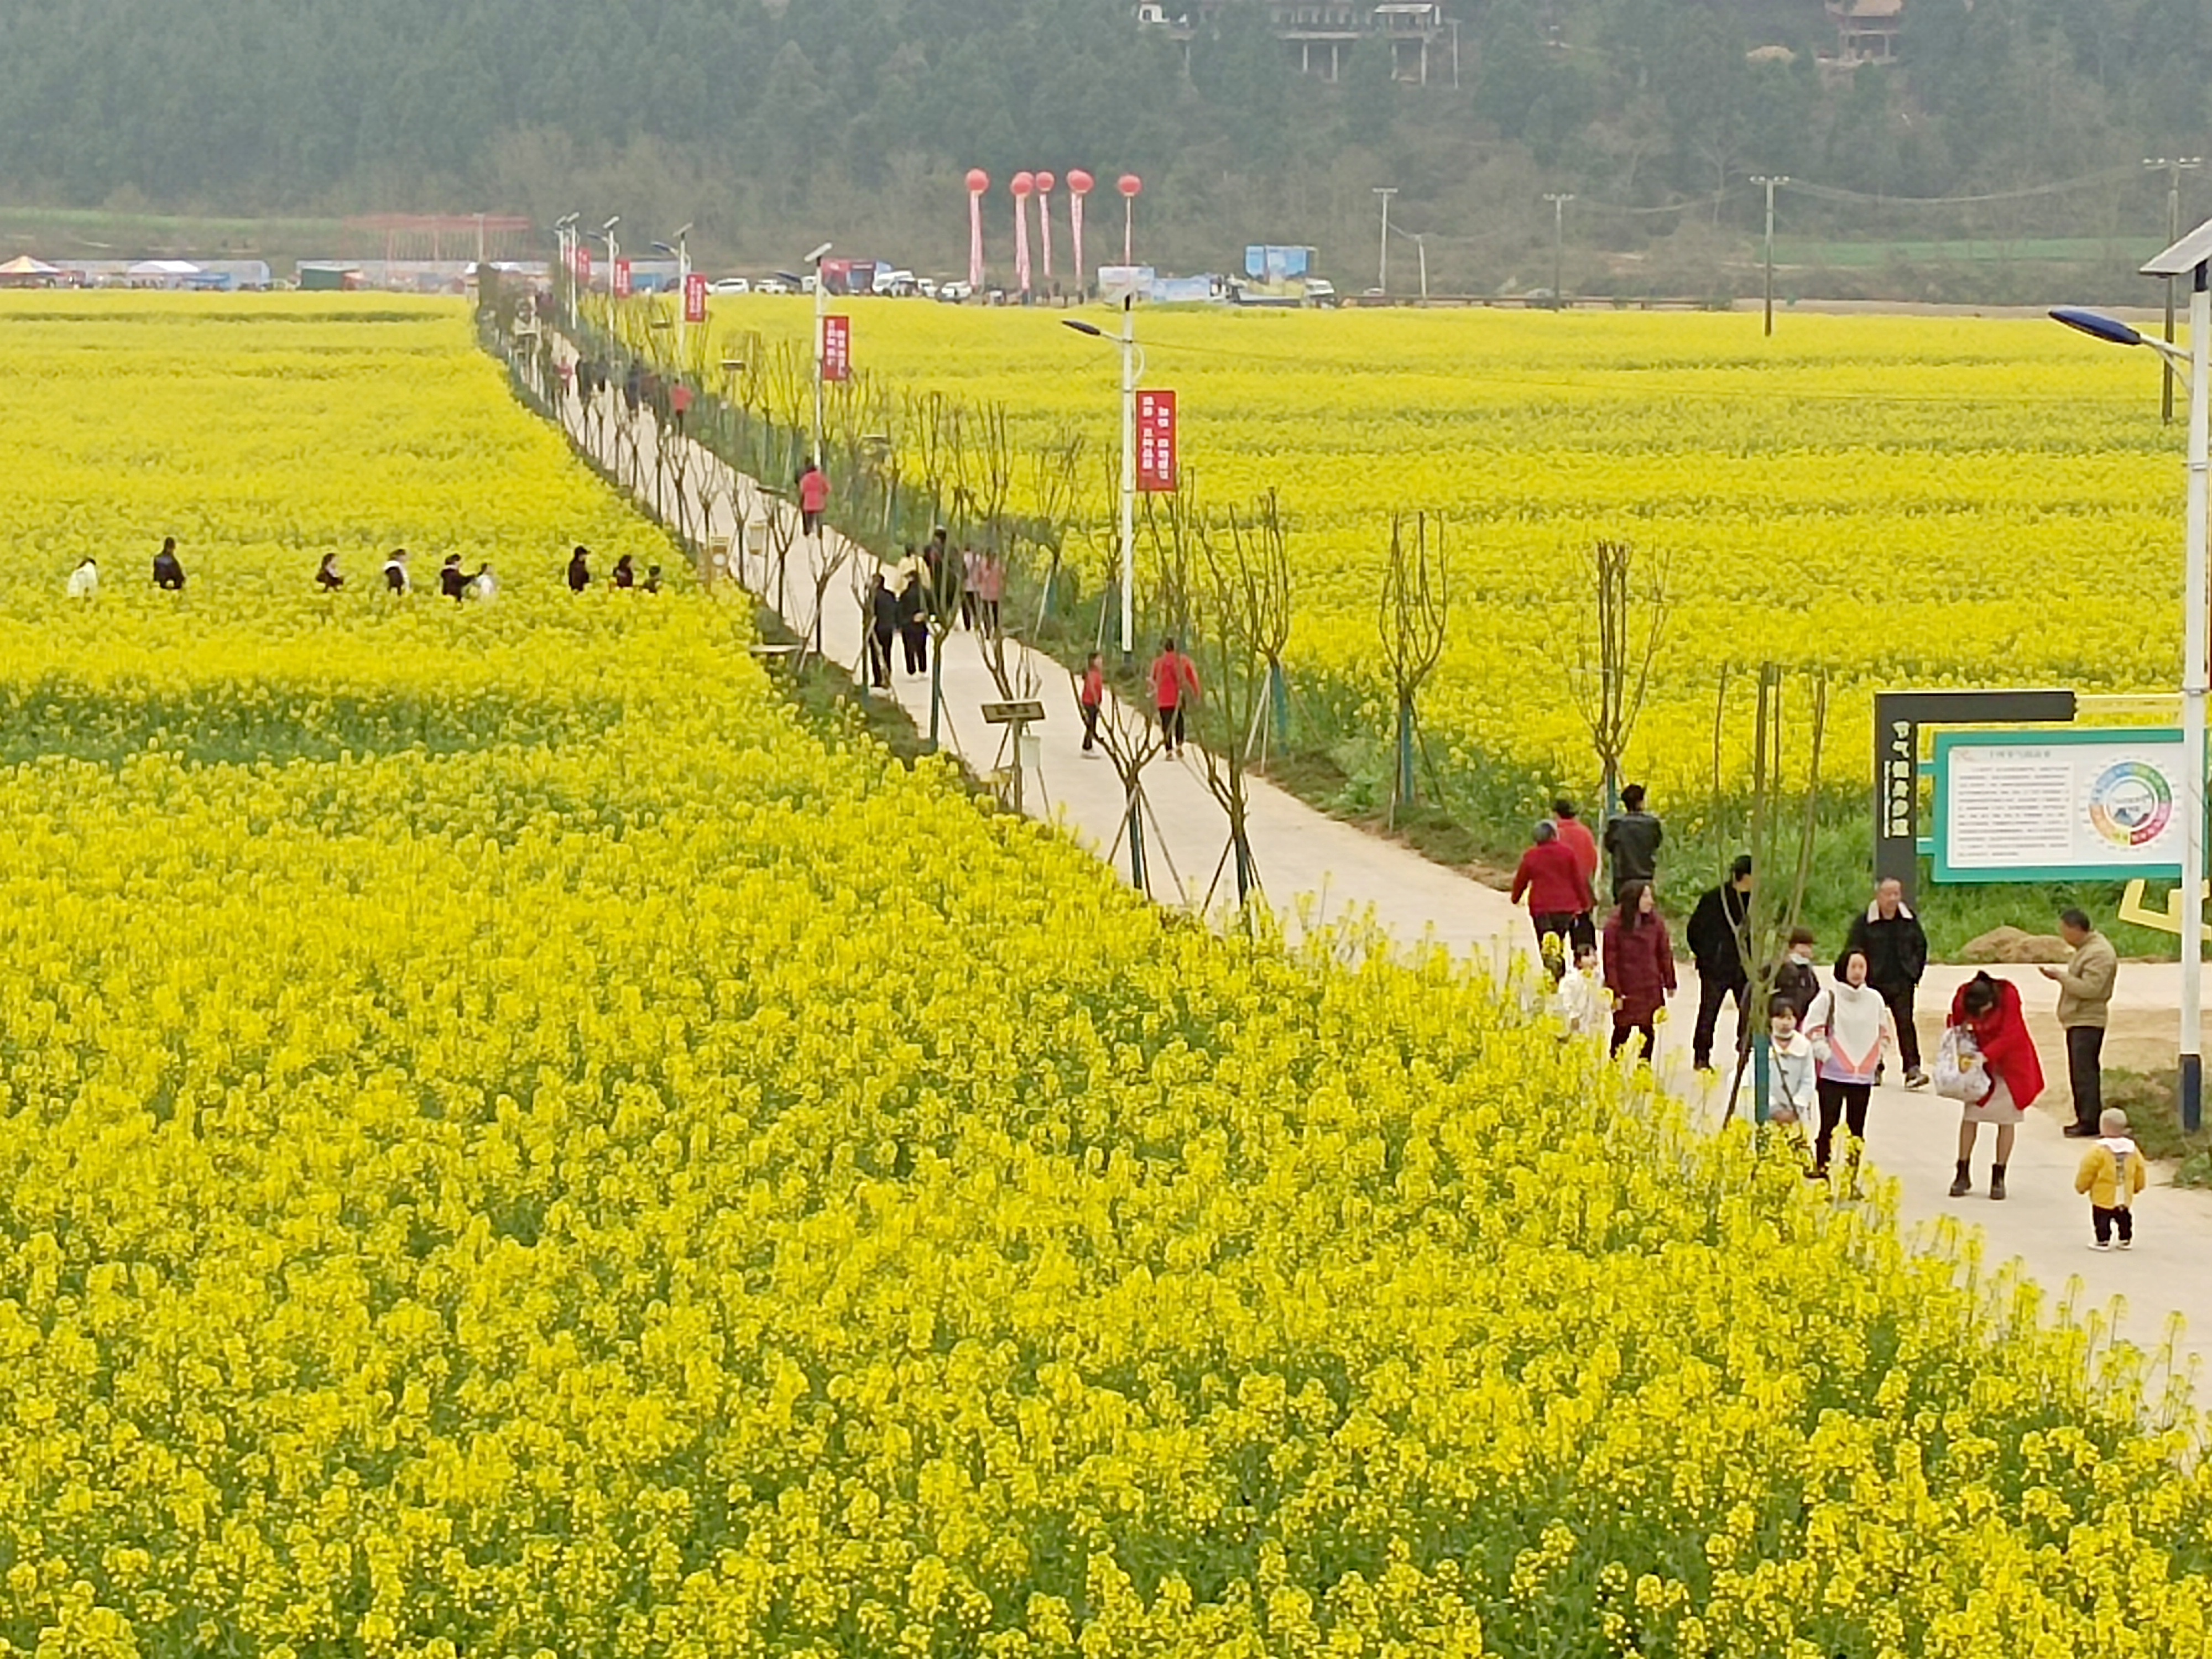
(614, 253)
(1769, 182)
(1383, 266)
(1421, 247)
(1558, 201)
(821, 311)
(2175, 167)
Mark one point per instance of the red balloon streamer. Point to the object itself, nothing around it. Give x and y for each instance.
(978, 182)
(1022, 185)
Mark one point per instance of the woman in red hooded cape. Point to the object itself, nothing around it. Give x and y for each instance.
(1989, 1010)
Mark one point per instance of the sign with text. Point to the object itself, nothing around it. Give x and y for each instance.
(694, 298)
(1156, 440)
(837, 348)
(584, 267)
(2054, 805)
(622, 279)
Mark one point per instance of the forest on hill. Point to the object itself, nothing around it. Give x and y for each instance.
(769, 124)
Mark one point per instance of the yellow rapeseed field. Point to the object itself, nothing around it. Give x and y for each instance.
(512, 1142)
(1902, 501)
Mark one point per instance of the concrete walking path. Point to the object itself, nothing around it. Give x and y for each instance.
(1315, 870)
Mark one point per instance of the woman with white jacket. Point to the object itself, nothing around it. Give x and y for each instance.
(1852, 1034)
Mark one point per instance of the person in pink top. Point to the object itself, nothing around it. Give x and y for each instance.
(1174, 684)
(1575, 834)
(813, 499)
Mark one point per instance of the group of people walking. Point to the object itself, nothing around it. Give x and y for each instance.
(936, 584)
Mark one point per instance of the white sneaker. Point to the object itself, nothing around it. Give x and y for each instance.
(2100, 1244)
(2127, 1243)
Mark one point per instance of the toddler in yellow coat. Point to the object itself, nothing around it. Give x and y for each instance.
(2112, 1174)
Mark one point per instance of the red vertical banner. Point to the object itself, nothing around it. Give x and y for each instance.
(1156, 440)
(622, 279)
(694, 298)
(583, 267)
(837, 348)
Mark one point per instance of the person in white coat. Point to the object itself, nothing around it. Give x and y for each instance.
(84, 581)
(1852, 1033)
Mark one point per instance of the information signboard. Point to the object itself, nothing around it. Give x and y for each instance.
(695, 297)
(622, 279)
(583, 267)
(2057, 805)
(837, 348)
(1156, 440)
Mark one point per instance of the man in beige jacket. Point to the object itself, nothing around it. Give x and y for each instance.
(2085, 1001)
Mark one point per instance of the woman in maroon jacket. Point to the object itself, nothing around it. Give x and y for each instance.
(1639, 966)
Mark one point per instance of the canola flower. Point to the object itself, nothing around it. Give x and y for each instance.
(511, 1142)
(1903, 501)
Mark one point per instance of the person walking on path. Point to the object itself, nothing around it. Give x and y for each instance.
(883, 627)
(326, 574)
(1792, 1069)
(1576, 836)
(1896, 947)
(1174, 684)
(580, 569)
(168, 568)
(989, 575)
(1989, 1010)
(1090, 698)
(2084, 1004)
(813, 499)
(1639, 967)
(1796, 982)
(2112, 1174)
(1852, 1030)
(1580, 1000)
(1552, 878)
(914, 622)
(1632, 837)
(1716, 938)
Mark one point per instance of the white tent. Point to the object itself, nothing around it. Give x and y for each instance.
(161, 273)
(24, 265)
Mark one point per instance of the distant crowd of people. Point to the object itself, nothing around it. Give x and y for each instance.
(1829, 1043)
(462, 585)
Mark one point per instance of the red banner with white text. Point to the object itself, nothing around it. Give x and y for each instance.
(1156, 440)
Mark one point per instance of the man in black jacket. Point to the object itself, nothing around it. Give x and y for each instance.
(1631, 841)
(1896, 948)
(1716, 943)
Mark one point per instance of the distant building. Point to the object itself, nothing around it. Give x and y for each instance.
(1319, 34)
(1866, 30)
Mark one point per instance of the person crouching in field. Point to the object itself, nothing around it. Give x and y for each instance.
(395, 574)
(168, 569)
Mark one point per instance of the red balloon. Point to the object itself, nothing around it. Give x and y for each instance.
(1022, 184)
(1045, 181)
(1130, 185)
(1081, 182)
(978, 180)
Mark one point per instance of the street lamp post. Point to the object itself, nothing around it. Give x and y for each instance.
(1132, 366)
(1383, 264)
(614, 252)
(1558, 201)
(2191, 257)
(682, 253)
(821, 311)
(1769, 182)
(1421, 247)
(564, 232)
(2175, 167)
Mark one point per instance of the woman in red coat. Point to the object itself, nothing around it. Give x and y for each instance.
(1639, 966)
(1989, 1009)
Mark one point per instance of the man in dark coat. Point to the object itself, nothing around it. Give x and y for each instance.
(1715, 934)
(1631, 841)
(1896, 950)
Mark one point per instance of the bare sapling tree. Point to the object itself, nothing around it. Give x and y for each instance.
(1412, 621)
(1244, 595)
(1783, 825)
(1054, 496)
(1611, 656)
(1131, 740)
(781, 522)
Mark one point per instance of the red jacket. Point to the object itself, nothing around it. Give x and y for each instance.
(813, 490)
(1553, 878)
(1173, 675)
(2001, 1035)
(1094, 687)
(1639, 967)
(1574, 833)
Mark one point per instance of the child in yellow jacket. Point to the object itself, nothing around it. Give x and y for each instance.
(2112, 1174)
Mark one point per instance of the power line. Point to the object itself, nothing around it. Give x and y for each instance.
(1836, 193)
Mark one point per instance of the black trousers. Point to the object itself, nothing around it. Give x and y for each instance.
(1712, 991)
(2103, 1221)
(1089, 726)
(1560, 925)
(1840, 1103)
(1623, 1029)
(879, 657)
(1171, 725)
(1584, 932)
(2085, 1072)
(915, 637)
(1899, 998)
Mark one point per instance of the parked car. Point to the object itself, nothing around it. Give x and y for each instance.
(773, 285)
(926, 287)
(957, 293)
(729, 285)
(1320, 291)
